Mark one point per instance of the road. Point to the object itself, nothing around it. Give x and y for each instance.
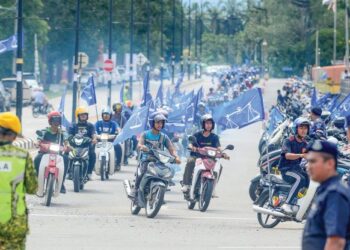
(99, 217)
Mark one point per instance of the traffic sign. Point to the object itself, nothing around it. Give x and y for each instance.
(141, 59)
(108, 65)
(83, 60)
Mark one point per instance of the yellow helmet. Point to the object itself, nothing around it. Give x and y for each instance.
(10, 121)
(81, 110)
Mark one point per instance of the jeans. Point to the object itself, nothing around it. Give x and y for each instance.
(118, 154)
(298, 179)
(187, 178)
(92, 159)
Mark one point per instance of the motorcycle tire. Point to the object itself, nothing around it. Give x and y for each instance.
(135, 209)
(35, 114)
(49, 189)
(152, 210)
(206, 194)
(103, 168)
(263, 202)
(76, 179)
(253, 187)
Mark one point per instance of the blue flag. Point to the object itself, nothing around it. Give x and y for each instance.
(276, 117)
(88, 93)
(135, 125)
(159, 99)
(8, 44)
(179, 82)
(174, 127)
(333, 103)
(168, 97)
(244, 110)
(314, 98)
(146, 94)
(65, 122)
(343, 109)
(323, 100)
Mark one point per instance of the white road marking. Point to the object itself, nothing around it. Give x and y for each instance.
(257, 247)
(92, 216)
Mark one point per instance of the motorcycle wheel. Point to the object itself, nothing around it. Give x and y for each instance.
(158, 198)
(103, 168)
(264, 218)
(35, 113)
(206, 194)
(252, 189)
(49, 189)
(135, 209)
(191, 204)
(76, 179)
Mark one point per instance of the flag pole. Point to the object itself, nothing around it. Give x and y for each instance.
(347, 35)
(334, 31)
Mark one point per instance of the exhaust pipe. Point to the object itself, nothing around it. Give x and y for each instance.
(127, 187)
(267, 211)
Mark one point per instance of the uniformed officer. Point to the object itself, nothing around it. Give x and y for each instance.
(328, 223)
(318, 128)
(17, 177)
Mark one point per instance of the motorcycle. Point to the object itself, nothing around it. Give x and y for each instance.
(79, 161)
(206, 173)
(41, 109)
(153, 184)
(51, 170)
(105, 163)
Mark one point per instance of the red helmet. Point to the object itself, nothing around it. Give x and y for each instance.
(54, 117)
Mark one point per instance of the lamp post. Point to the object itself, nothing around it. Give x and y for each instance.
(264, 61)
(173, 57)
(76, 66)
(19, 61)
(131, 48)
(182, 39)
(110, 51)
(189, 41)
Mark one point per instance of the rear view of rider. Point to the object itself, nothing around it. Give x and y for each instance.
(86, 129)
(293, 151)
(156, 139)
(205, 138)
(51, 134)
(106, 125)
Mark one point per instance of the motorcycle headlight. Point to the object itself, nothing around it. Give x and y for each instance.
(211, 153)
(164, 159)
(104, 137)
(55, 148)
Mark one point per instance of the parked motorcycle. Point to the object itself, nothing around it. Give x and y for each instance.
(51, 170)
(105, 155)
(79, 160)
(153, 184)
(40, 109)
(206, 172)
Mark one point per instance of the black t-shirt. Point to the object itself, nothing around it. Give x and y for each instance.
(86, 129)
(291, 145)
(211, 141)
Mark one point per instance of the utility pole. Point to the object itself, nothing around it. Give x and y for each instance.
(76, 66)
(161, 40)
(195, 42)
(148, 38)
(110, 52)
(347, 34)
(182, 39)
(189, 42)
(173, 47)
(19, 61)
(200, 40)
(131, 47)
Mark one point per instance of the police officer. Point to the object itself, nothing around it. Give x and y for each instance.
(17, 177)
(318, 128)
(328, 223)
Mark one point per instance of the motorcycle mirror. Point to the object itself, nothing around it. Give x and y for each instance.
(39, 133)
(230, 147)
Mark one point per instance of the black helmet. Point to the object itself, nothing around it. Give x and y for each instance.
(207, 117)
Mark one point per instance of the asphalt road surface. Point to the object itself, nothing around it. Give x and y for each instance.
(99, 217)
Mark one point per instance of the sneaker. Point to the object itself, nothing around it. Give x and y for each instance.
(287, 208)
(185, 188)
(63, 189)
(89, 177)
(117, 167)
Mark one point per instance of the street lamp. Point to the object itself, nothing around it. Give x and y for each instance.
(264, 61)
(110, 51)
(19, 61)
(76, 66)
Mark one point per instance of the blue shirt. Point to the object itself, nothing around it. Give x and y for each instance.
(329, 215)
(109, 127)
(159, 141)
(291, 145)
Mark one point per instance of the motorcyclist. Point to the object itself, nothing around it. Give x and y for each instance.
(211, 92)
(51, 134)
(86, 129)
(106, 125)
(118, 115)
(202, 110)
(152, 138)
(205, 138)
(127, 114)
(40, 99)
(318, 128)
(293, 151)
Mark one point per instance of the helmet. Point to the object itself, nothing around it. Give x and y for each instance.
(298, 122)
(201, 104)
(129, 104)
(80, 111)
(108, 111)
(117, 106)
(54, 117)
(10, 121)
(207, 117)
(158, 117)
(163, 112)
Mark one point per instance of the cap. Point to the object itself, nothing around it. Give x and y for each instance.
(317, 111)
(323, 147)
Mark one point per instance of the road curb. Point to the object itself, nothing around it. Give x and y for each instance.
(24, 143)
